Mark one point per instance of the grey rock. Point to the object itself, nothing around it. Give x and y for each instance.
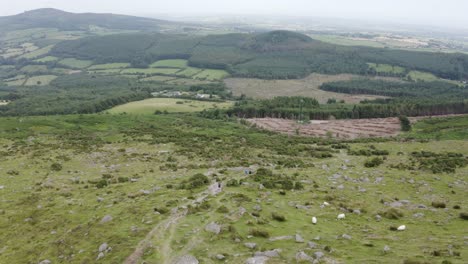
(340, 187)
(357, 211)
(106, 219)
(386, 249)
(187, 259)
(422, 206)
(418, 215)
(311, 244)
(281, 238)
(317, 238)
(269, 253)
(103, 247)
(213, 228)
(100, 256)
(302, 256)
(257, 260)
(45, 261)
(299, 238)
(318, 255)
(242, 210)
(378, 218)
(220, 256)
(100, 199)
(396, 204)
(346, 236)
(250, 245)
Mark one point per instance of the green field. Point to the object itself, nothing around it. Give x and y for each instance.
(47, 59)
(422, 76)
(107, 71)
(212, 75)
(189, 72)
(34, 68)
(450, 128)
(169, 64)
(158, 78)
(16, 81)
(109, 66)
(386, 68)
(37, 53)
(76, 64)
(149, 106)
(163, 71)
(40, 80)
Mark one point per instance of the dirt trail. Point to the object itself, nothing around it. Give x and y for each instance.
(165, 229)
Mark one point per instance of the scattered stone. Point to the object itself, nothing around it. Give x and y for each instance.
(318, 255)
(220, 257)
(257, 208)
(317, 238)
(281, 238)
(45, 261)
(386, 249)
(100, 199)
(340, 187)
(269, 253)
(2, 187)
(250, 245)
(299, 239)
(422, 206)
(311, 244)
(302, 256)
(418, 215)
(213, 228)
(378, 218)
(357, 211)
(100, 256)
(103, 247)
(106, 219)
(257, 260)
(396, 204)
(242, 210)
(347, 237)
(187, 259)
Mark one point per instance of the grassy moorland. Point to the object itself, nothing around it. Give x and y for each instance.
(69, 184)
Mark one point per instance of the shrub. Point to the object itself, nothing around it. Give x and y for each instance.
(101, 184)
(278, 217)
(437, 204)
(405, 123)
(232, 183)
(222, 209)
(56, 167)
(196, 181)
(122, 179)
(456, 207)
(162, 210)
(464, 216)
(259, 233)
(375, 162)
(392, 213)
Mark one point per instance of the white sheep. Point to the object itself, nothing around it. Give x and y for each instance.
(326, 204)
(341, 216)
(314, 220)
(401, 228)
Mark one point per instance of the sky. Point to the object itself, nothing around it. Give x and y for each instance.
(429, 12)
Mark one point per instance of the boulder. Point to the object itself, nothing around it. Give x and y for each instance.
(250, 245)
(257, 260)
(213, 228)
(45, 261)
(187, 259)
(318, 255)
(106, 219)
(302, 256)
(299, 238)
(103, 247)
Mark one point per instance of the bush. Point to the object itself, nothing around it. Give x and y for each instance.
(278, 217)
(392, 213)
(162, 210)
(232, 183)
(56, 167)
(101, 184)
(222, 209)
(437, 204)
(122, 179)
(196, 181)
(375, 162)
(464, 216)
(405, 123)
(259, 233)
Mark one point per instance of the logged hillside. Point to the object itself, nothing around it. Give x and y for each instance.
(53, 18)
(271, 55)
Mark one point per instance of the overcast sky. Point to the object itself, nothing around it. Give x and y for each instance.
(442, 12)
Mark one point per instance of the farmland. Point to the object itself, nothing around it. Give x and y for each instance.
(150, 106)
(75, 63)
(309, 86)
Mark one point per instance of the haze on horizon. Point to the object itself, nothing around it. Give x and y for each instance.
(448, 13)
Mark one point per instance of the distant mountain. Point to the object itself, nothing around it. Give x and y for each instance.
(54, 18)
(279, 40)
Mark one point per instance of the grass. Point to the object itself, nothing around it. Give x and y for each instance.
(109, 66)
(450, 128)
(76, 64)
(166, 71)
(422, 76)
(158, 78)
(47, 59)
(169, 64)
(18, 80)
(37, 53)
(189, 72)
(211, 75)
(386, 68)
(40, 80)
(34, 68)
(58, 216)
(171, 105)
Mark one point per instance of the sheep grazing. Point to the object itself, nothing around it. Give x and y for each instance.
(401, 228)
(314, 220)
(341, 216)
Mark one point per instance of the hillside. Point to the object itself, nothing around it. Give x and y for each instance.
(54, 18)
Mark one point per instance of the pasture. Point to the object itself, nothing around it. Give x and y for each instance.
(309, 86)
(40, 80)
(108, 66)
(170, 105)
(75, 63)
(176, 63)
(387, 68)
